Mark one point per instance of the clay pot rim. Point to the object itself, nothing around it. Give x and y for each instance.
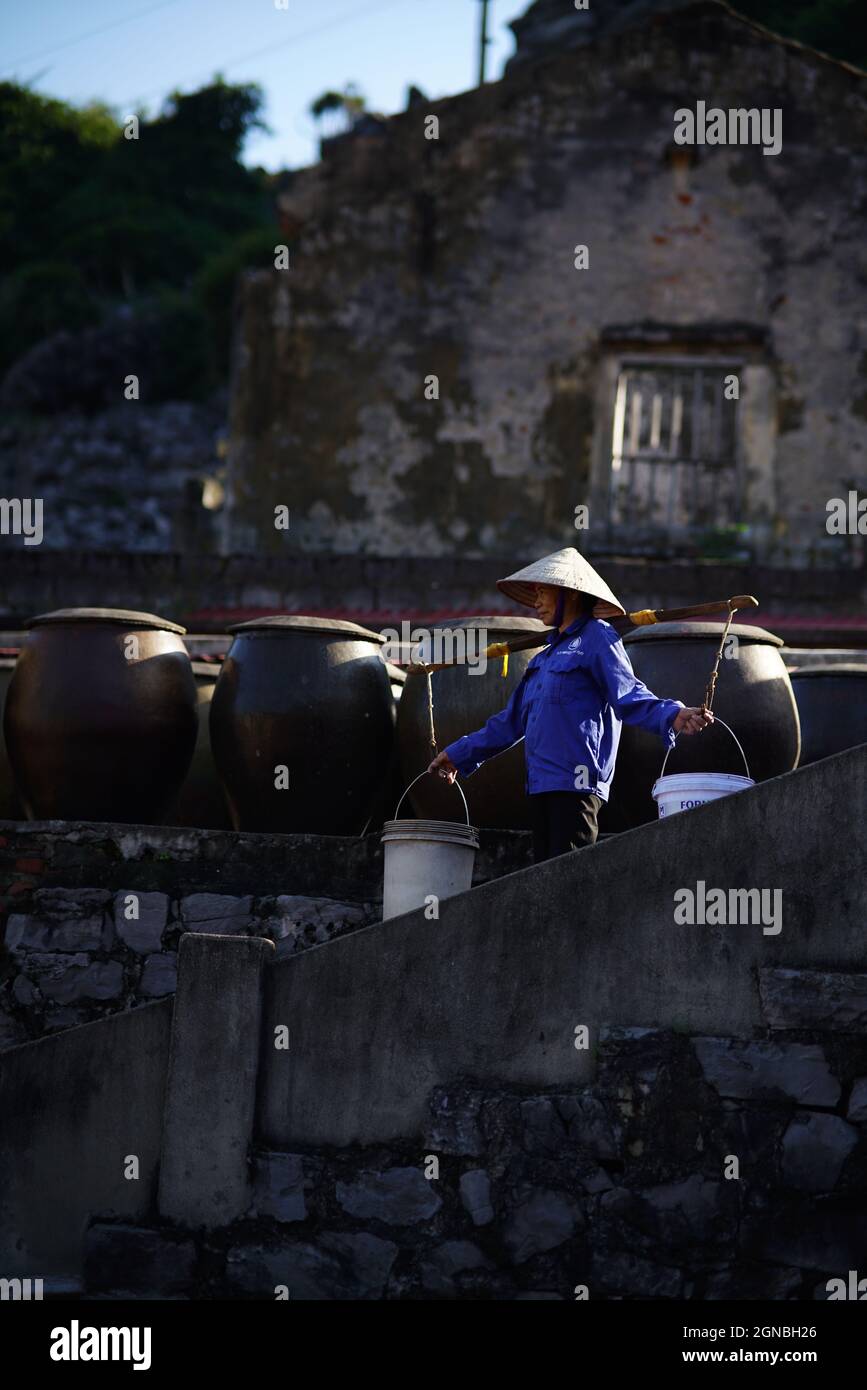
(291, 622)
(839, 668)
(495, 620)
(122, 617)
(687, 631)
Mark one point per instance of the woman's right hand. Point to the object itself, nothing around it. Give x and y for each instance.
(443, 765)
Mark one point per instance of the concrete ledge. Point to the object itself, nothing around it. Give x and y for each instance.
(76, 1110)
(495, 989)
(213, 1064)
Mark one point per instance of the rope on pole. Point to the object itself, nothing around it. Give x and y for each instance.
(711, 685)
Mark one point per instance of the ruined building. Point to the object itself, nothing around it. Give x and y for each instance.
(443, 369)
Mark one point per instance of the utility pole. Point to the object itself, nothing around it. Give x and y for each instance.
(483, 42)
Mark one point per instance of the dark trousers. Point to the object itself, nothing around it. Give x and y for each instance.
(562, 821)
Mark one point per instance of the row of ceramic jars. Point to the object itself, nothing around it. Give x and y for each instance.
(105, 717)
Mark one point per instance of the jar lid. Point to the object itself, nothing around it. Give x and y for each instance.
(124, 617)
(495, 620)
(834, 668)
(745, 632)
(290, 622)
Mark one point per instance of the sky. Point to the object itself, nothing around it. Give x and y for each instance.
(131, 54)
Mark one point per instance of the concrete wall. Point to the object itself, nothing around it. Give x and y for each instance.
(74, 1108)
(496, 987)
(204, 592)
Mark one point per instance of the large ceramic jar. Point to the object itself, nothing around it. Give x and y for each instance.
(100, 718)
(201, 801)
(832, 704)
(463, 701)
(301, 725)
(10, 802)
(753, 696)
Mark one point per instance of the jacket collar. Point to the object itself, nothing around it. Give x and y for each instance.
(571, 631)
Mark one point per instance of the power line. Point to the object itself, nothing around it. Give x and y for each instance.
(91, 34)
(272, 48)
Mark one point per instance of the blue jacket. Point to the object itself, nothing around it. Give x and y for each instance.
(569, 709)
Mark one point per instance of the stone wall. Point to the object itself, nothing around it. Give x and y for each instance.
(691, 1167)
(94, 913)
(127, 479)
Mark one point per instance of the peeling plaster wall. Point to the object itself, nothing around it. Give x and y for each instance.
(454, 257)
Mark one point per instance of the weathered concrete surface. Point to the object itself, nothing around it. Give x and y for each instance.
(497, 986)
(210, 1096)
(74, 1110)
(454, 258)
(205, 592)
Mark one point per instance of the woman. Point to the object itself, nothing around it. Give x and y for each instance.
(570, 705)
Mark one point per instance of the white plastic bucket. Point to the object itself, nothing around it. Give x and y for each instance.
(425, 858)
(681, 791)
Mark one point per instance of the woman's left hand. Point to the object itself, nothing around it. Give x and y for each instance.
(693, 720)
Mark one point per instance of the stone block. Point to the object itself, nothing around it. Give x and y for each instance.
(336, 1267)
(475, 1187)
(218, 914)
(857, 1113)
(294, 911)
(159, 975)
(63, 904)
(438, 1268)
(832, 1001)
(399, 1196)
(278, 1187)
(541, 1223)
(36, 933)
(366, 1259)
(67, 978)
(143, 934)
(24, 991)
(543, 1129)
(596, 1181)
(767, 1070)
(689, 1213)
(815, 1147)
(591, 1125)
(632, 1276)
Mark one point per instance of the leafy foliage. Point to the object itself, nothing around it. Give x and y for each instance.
(836, 27)
(91, 221)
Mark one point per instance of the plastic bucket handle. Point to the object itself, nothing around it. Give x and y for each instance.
(717, 720)
(418, 779)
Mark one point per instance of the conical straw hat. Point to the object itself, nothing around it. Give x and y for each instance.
(569, 570)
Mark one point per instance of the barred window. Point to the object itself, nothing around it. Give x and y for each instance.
(674, 464)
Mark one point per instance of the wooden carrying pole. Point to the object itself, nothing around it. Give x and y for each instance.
(644, 617)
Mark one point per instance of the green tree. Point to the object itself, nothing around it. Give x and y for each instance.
(836, 27)
(90, 219)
